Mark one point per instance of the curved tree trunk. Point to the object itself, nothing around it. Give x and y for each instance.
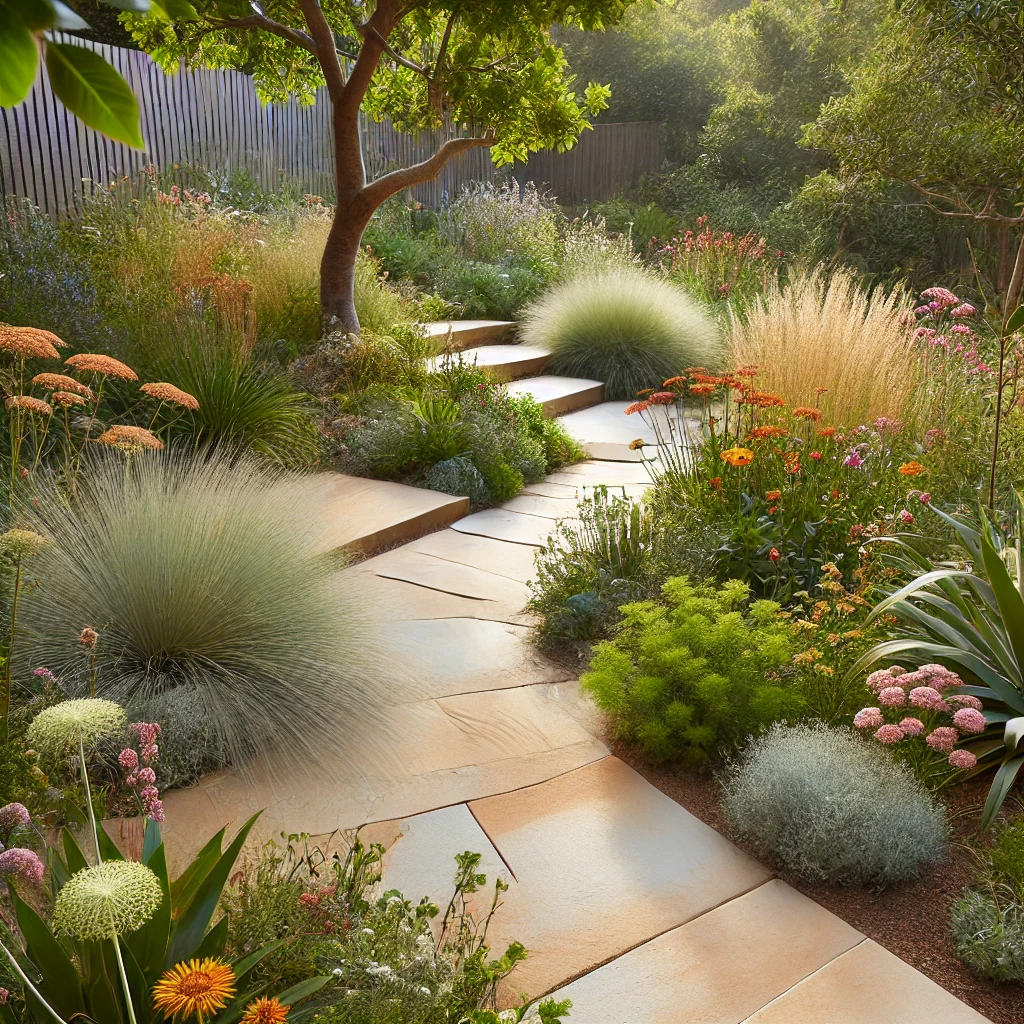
(338, 272)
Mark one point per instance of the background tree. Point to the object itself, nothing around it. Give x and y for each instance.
(939, 106)
(489, 69)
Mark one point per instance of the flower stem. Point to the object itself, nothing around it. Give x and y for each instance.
(5, 695)
(88, 802)
(124, 981)
(26, 981)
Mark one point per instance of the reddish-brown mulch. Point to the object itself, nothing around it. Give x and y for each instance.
(910, 919)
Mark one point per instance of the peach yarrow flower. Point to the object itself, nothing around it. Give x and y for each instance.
(127, 438)
(169, 393)
(61, 382)
(30, 342)
(66, 398)
(30, 404)
(108, 366)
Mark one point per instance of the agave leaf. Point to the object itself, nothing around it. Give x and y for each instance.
(925, 580)
(1013, 733)
(60, 984)
(1004, 779)
(1008, 601)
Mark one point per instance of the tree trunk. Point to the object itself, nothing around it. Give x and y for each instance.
(338, 271)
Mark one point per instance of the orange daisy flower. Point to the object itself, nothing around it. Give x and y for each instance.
(912, 468)
(805, 412)
(636, 407)
(266, 1011)
(738, 456)
(194, 989)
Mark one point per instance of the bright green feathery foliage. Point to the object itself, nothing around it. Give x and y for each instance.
(492, 67)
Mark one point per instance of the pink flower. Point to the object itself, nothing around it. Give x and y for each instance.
(943, 738)
(921, 310)
(853, 460)
(905, 517)
(868, 718)
(970, 720)
(879, 679)
(17, 861)
(147, 776)
(155, 811)
(13, 815)
(925, 498)
(889, 734)
(962, 759)
(128, 759)
(4, 996)
(943, 295)
(925, 697)
(892, 696)
(966, 700)
(964, 309)
(960, 328)
(912, 726)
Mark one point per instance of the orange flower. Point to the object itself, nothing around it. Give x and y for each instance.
(738, 456)
(66, 398)
(637, 407)
(674, 382)
(805, 412)
(769, 430)
(265, 1011)
(716, 482)
(663, 398)
(772, 495)
(820, 391)
(194, 989)
(703, 389)
(646, 392)
(30, 404)
(637, 444)
(169, 393)
(826, 432)
(746, 371)
(29, 342)
(128, 438)
(912, 468)
(774, 555)
(108, 366)
(60, 382)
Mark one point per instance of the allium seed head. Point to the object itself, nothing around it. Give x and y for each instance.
(114, 898)
(72, 722)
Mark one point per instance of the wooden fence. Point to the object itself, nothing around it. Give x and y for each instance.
(212, 119)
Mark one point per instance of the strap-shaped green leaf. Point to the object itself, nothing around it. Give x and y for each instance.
(60, 985)
(1015, 321)
(94, 92)
(190, 928)
(149, 943)
(1008, 601)
(214, 941)
(185, 886)
(1004, 779)
(19, 58)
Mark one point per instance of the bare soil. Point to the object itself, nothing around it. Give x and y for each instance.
(910, 919)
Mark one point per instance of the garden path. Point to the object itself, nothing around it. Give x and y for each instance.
(630, 906)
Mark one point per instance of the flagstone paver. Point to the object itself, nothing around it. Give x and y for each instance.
(606, 432)
(603, 861)
(366, 515)
(867, 985)
(559, 395)
(718, 968)
(502, 362)
(516, 561)
(500, 524)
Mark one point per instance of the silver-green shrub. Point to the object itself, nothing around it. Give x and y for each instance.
(832, 807)
(460, 477)
(988, 933)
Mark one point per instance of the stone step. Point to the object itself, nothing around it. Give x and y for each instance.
(605, 431)
(366, 516)
(503, 362)
(460, 334)
(559, 395)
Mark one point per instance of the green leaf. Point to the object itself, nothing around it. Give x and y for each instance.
(1004, 779)
(1008, 601)
(149, 943)
(60, 985)
(246, 964)
(73, 854)
(108, 848)
(184, 887)
(93, 91)
(191, 926)
(1016, 321)
(1013, 731)
(19, 59)
(214, 941)
(65, 18)
(303, 990)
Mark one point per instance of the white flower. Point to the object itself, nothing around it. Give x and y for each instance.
(424, 990)
(369, 931)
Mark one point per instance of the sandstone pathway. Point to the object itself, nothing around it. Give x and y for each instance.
(630, 906)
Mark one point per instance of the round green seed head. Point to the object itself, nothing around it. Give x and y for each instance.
(114, 898)
(75, 721)
(22, 543)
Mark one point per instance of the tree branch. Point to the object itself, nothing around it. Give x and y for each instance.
(323, 36)
(386, 186)
(375, 32)
(986, 215)
(293, 35)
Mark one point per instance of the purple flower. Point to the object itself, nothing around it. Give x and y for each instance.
(13, 815)
(853, 460)
(962, 759)
(18, 861)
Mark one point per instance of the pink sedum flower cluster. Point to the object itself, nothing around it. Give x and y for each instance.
(926, 688)
(138, 771)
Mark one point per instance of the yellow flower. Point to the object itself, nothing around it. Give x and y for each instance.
(912, 468)
(637, 444)
(265, 1011)
(194, 989)
(738, 456)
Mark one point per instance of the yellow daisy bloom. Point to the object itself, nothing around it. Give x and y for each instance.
(738, 456)
(194, 989)
(265, 1011)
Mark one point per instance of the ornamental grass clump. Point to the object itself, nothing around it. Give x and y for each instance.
(833, 808)
(817, 332)
(209, 579)
(623, 327)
